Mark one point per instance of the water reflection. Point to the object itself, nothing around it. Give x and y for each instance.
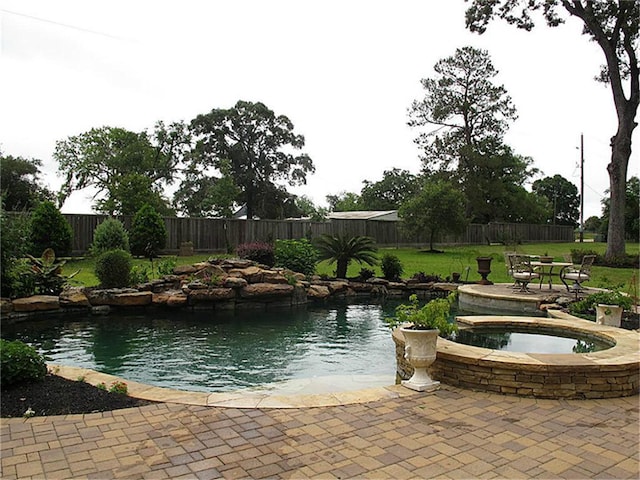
(527, 341)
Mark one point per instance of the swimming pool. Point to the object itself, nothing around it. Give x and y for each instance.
(220, 351)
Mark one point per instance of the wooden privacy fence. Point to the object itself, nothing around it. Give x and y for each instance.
(217, 234)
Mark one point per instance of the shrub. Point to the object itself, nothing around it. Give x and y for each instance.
(296, 255)
(113, 269)
(46, 273)
(14, 239)
(588, 304)
(166, 266)
(139, 274)
(365, 274)
(422, 277)
(261, 252)
(109, 235)
(343, 249)
(49, 229)
(148, 233)
(577, 254)
(20, 362)
(391, 267)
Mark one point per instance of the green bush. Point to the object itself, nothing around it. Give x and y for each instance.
(588, 304)
(167, 265)
(109, 235)
(148, 234)
(14, 239)
(20, 363)
(296, 255)
(49, 229)
(113, 269)
(139, 274)
(391, 267)
(261, 252)
(365, 274)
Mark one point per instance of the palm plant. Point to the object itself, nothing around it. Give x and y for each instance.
(342, 249)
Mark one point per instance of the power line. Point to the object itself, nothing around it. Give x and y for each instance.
(60, 24)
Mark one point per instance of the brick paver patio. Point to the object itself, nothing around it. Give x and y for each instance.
(452, 433)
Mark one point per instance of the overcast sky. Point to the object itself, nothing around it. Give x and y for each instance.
(344, 72)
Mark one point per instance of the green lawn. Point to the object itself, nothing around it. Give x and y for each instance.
(460, 259)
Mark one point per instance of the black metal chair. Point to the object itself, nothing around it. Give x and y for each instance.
(578, 274)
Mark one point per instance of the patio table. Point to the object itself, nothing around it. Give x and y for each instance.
(546, 270)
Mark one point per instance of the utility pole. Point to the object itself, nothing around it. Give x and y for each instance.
(581, 188)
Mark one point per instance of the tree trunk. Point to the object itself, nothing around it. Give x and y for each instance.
(620, 153)
(249, 199)
(625, 109)
(341, 268)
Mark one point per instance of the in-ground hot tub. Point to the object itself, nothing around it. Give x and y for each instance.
(612, 372)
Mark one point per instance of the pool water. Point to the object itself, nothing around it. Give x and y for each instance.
(214, 351)
(526, 341)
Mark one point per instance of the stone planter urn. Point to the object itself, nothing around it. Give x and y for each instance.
(609, 315)
(420, 352)
(484, 269)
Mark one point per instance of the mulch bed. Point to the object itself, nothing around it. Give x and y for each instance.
(55, 395)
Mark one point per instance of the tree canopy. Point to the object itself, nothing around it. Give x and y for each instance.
(207, 195)
(389, 193)
(563, 197)
(256, 142)
(462, 107)
(344, 202)
(20, 186)
(127, 169)
(466, 116)
(437, 208)
(613, 25)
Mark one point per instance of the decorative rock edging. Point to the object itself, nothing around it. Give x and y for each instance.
(224, 284)
(605, 374)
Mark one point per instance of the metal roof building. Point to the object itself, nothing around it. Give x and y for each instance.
(382, 216)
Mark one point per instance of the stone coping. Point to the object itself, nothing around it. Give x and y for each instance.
(623, 353)
(247, 398)
(610, 373)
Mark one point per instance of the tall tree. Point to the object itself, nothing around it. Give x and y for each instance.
(127, 169)
(462, 107)
(254, 140)
(202, 195)
(465, 115)
(562, 196)
(613, 25)
(389, 193)
(20, 186)
(496, 187)
(437, 208)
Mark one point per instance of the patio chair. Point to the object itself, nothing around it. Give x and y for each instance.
(508, 263)
(578, 274)
(522, 272)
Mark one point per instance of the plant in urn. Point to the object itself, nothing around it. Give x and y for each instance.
(420, 327)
